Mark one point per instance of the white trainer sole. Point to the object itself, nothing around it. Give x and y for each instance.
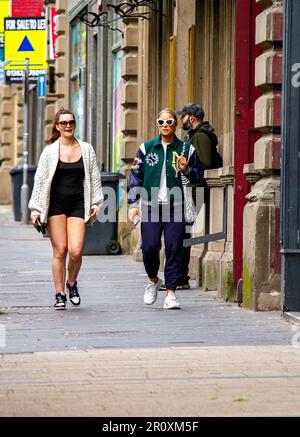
(174, 307)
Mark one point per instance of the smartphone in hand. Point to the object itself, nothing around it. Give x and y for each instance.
(40, 227)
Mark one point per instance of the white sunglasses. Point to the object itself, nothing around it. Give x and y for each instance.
(167, 122)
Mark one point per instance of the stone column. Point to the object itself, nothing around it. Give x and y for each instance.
(59, 97)
(129, 98)
(198, 250)
(19, 123)
(129, 124)
(261, 257)
(61, 64)
(211, 261)
(6, 142)
(227, 289)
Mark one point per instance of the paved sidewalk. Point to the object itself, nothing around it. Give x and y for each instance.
(114, 353)
(112, 313)
(180, 381)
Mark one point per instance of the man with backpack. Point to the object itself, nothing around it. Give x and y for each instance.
(201, 135)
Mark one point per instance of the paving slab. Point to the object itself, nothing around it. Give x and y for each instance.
(160, 382)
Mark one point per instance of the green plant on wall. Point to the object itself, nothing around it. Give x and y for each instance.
(247, 288)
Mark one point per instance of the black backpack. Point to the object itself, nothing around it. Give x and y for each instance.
(217, 160)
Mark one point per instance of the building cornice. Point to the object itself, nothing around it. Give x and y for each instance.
(77, 9)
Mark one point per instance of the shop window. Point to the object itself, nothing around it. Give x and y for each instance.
(114, 123)
(117, 111)
(78, 81)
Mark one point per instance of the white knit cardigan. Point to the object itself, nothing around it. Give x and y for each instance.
(40, 198)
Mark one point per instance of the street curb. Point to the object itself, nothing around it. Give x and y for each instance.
(292, 317)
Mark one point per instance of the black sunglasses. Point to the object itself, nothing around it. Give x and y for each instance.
(67, 123)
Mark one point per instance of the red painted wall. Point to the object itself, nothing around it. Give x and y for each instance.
(245, 134)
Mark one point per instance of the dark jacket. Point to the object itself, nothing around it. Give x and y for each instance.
(205, 142)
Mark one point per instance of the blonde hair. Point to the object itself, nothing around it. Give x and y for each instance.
(169, 111)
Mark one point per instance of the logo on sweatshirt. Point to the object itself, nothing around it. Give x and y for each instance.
(175, 163)
(152, 159)
(137, 163)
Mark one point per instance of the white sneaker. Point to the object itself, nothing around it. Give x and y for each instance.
(150, 295)
(171, 303)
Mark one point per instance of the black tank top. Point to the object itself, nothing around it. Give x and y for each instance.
(68, 178)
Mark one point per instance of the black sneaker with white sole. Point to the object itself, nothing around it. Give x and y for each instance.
(74, 294)
(60, 303)
(185, 286)
(163, 286)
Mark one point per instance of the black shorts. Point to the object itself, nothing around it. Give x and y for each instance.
(71, 205)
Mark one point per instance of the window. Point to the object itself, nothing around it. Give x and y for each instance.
(117, 110)
(78, 72)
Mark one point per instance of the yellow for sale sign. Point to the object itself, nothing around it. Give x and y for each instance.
(25, 38)
(4, 12)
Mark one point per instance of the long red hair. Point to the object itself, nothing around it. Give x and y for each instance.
(55, 134)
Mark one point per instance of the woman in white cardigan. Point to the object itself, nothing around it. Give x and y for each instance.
(66, 195)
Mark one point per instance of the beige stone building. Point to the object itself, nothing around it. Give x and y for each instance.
(223, 54)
